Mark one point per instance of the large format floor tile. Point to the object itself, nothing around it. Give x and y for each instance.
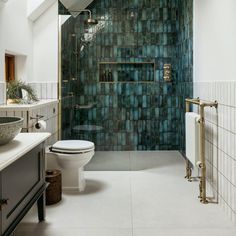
(184, 232)
(73, 232)
(105, 203)
(147, 160)
(155, 200)
(132, 160)
(163, 198)
(109, 161)
(173, 207)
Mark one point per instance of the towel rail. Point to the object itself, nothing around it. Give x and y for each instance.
(202, 165)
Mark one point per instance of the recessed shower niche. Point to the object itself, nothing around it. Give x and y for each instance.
(126, 71)
(115, 94)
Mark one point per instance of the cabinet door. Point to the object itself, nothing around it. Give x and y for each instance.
(20, 182)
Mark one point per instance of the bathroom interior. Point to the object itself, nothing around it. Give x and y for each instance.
(123, 117)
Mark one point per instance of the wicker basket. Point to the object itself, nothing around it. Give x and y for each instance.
(53, 192)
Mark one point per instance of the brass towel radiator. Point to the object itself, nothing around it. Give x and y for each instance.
(202, 165)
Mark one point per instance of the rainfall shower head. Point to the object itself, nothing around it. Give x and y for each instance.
(90, 20)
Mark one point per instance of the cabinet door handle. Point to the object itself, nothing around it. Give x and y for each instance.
(3, 203)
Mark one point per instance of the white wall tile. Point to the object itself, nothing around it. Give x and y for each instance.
(46, 90)
(232, 93)
(221, 144)
(232, 119)
(55, 91)
(2, 93)
(49, 90)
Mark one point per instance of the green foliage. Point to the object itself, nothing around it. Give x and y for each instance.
(14, 91)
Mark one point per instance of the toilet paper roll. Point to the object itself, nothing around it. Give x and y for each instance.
(40, 126)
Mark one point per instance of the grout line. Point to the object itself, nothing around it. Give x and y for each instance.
(225, 105)
(130, 164)
(219, 103)
(234, 212)
(220, 149)
(221, 174)
(218, 126)
(131, 202)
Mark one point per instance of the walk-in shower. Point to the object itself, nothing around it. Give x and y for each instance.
(112, 82)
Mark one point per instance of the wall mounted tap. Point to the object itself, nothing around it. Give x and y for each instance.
(167, 72)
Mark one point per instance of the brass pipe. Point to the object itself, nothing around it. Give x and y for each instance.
(193, 101)
(82, 10)
(202, 155)
(201, 106)
(187, 106)
(198, 102)
(188, 175)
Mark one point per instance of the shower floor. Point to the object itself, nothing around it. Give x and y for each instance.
(154, 200)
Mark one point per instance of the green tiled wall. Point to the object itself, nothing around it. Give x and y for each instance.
(139, 111)
(185, 62)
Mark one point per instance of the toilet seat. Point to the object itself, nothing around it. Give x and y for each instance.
(72, 146)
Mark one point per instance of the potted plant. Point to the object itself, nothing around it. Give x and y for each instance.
(15, 90)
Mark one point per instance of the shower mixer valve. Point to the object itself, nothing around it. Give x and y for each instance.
(167, 72)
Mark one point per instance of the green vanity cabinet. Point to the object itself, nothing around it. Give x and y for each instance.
(22, 183)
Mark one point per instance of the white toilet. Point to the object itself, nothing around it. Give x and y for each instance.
(72, 156)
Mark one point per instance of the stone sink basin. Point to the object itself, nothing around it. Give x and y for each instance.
(9, 128)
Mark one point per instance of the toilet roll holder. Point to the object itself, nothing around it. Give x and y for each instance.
(202, 159)
(37, 118)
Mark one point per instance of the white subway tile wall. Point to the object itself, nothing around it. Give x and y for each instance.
(2, 92)
(220, 142)
(45, 90)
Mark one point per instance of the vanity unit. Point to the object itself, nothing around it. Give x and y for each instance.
(22, 179)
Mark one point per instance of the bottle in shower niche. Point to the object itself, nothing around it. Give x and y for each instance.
(104, 76)
(110, 76)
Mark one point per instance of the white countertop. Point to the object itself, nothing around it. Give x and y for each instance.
(20, 145)
(28, 106)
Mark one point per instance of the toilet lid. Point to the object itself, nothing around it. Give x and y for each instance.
(73, 145)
